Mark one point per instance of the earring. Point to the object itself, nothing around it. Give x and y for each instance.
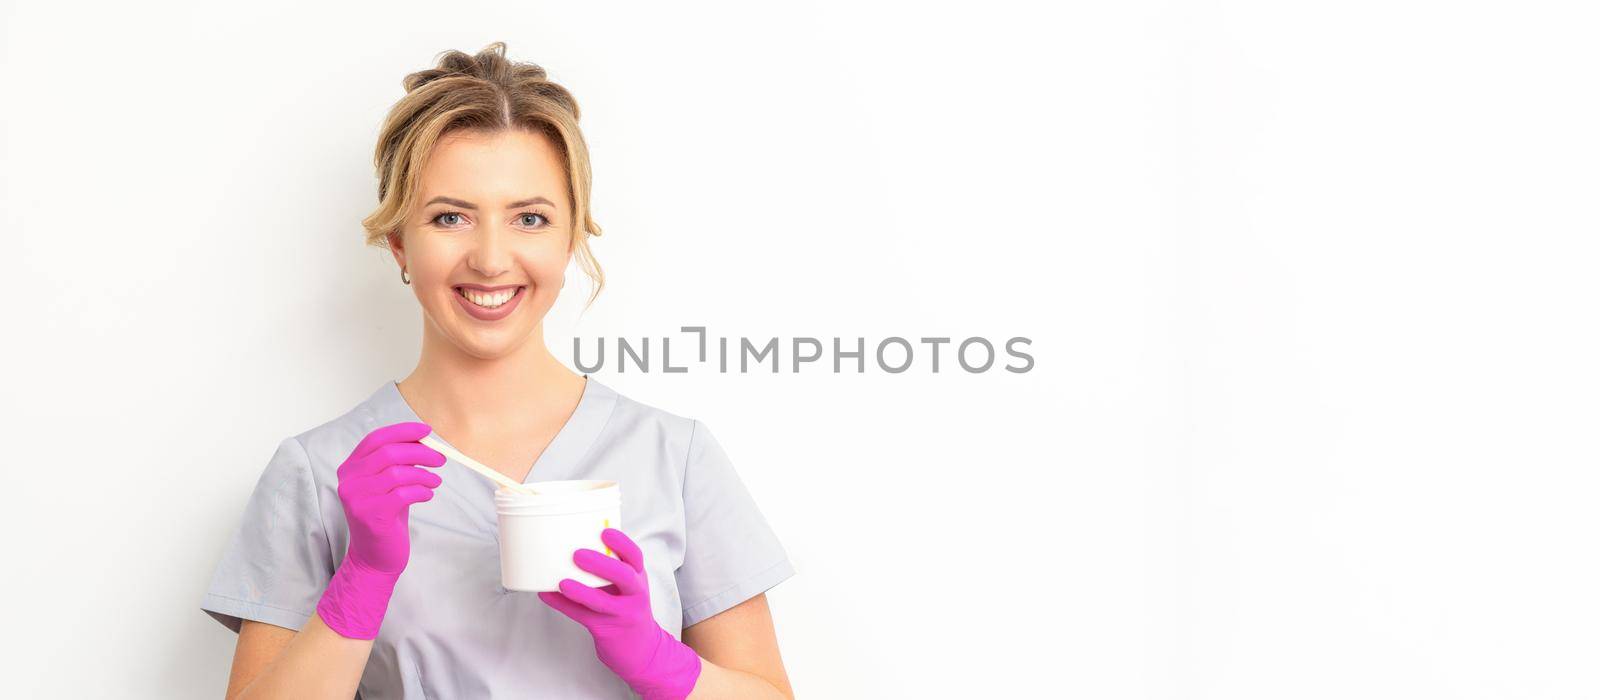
(403, 277)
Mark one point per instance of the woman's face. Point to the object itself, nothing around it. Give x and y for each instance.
(492, 212)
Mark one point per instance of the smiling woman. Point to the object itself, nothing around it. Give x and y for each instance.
(485, 94)
(483, 202)
(485, 259)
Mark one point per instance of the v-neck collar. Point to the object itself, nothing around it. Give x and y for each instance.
(559, 459)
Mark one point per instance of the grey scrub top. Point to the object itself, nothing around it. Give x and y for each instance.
(451, 630)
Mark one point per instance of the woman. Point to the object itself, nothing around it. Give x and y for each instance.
(483, 200)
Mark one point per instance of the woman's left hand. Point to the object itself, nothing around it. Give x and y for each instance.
(627, 637)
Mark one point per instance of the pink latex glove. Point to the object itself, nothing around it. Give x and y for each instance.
(626, 637)
(377, 485)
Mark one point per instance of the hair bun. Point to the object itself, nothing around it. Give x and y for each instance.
(489, 64)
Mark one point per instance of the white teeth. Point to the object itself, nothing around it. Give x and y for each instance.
(488, 301)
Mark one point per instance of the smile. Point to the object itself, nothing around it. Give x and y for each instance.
(489, 307)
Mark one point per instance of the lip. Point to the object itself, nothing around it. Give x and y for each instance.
(483, 314)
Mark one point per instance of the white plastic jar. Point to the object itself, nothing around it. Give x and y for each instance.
(540, 532)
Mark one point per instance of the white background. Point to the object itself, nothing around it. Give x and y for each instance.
(1311, 289)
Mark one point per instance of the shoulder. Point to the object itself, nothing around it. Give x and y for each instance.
(684, 441)
(632, 418)
(677, 443)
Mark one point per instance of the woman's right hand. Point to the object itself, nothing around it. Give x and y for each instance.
(378, 482)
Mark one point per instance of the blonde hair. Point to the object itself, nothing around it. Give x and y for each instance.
(489, 92)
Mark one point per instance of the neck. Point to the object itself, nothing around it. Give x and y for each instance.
(493, 396)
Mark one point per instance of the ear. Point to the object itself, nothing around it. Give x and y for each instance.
(397, 248)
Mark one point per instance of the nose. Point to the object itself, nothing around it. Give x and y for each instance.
(490, 254)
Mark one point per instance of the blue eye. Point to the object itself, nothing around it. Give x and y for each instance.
(524, 217)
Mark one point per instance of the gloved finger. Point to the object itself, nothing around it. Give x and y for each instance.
(390, 477)
(626, 579)
(625, 548)
(589, 597)
(397, 432)
(395, 502)
(413, 493)
(402, 474)
(566, 606)
(412, 453)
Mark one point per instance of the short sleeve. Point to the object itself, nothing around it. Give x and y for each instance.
(730, 554)
(278, 561)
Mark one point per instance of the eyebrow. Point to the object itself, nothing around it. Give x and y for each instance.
(469, 205)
